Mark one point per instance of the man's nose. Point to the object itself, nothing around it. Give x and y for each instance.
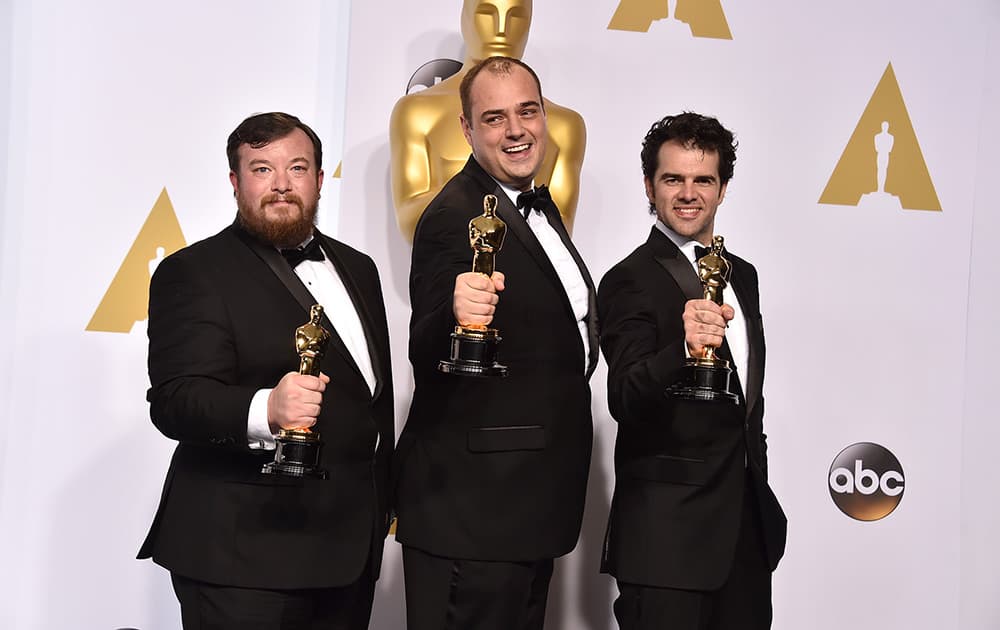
(687, 190)
(514, 127)
(281, 182)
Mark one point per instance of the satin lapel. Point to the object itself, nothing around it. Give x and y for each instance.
(516, 224)
(372, 335)
(755, 337)
(671, 258)
(270, 256)
(555, 220)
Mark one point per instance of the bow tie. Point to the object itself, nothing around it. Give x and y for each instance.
(700, 252)
(537, 199)
(295, 255)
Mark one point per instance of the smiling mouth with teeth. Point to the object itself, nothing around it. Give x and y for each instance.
(517, 149)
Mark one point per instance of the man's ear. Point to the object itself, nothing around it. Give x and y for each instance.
(466, 129)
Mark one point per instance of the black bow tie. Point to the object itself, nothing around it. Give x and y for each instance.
(537, 199)
(311, 251)
(700, 252)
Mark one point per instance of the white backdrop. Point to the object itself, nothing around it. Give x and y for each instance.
(879, 320)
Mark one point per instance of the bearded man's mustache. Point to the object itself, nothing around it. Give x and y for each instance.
(277, 197)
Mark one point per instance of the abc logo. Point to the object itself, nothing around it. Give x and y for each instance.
(866, 481)
(432, 73)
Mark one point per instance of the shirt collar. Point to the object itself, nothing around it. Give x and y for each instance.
(512, 193)
(686, 245)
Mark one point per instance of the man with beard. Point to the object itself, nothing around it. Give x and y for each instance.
(245, 549)
(492, 472)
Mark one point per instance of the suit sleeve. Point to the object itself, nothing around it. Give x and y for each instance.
(194, 395)
(643, 359)
(440, 252)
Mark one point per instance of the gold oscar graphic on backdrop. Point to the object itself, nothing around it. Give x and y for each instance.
(701, 18)
(125, 302)
(882, 160)
(425, 137)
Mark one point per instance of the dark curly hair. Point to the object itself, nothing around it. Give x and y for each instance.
(691, 130)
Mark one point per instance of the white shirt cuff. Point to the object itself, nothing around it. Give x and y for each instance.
(258, 430)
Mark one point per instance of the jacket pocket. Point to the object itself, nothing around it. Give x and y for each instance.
(669, 468)
(516, 438)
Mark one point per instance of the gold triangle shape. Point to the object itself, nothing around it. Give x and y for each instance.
(637, 15)
(706, 18)
(127, 298)
(906, 174)
(336, 173)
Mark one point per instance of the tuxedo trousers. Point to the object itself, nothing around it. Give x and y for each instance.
(743, 602)
(452, 594)
(206, 606)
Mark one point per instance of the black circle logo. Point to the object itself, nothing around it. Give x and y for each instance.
(432, 73)
(866, 481)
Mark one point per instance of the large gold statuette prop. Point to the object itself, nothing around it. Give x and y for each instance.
(707, 377)
(298, 449)
(475, 347)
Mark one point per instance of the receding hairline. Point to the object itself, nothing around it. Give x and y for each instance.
(499, 67)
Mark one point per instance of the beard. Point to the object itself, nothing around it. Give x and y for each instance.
(289, 229)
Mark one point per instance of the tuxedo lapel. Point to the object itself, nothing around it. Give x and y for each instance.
(376, 353)
(516, 225)
(755, 336)
(673, 260)
(277, 264)
(519, 228)
(555, 220)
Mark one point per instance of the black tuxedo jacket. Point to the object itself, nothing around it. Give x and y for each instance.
(222, 319)
(489, 468)
(681, 467)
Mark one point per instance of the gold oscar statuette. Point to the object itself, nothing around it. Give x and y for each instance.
(298, 449)
(475, 348)
(707, 377)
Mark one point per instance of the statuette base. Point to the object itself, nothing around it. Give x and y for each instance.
(704, 379)
(474, 352)
(297, 455)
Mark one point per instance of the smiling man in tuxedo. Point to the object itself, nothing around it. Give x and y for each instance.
(492, 472)
(695, 530)
(244, 549)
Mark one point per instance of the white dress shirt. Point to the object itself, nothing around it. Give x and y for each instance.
(327, 287)
(566, 268)
(736, 333)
